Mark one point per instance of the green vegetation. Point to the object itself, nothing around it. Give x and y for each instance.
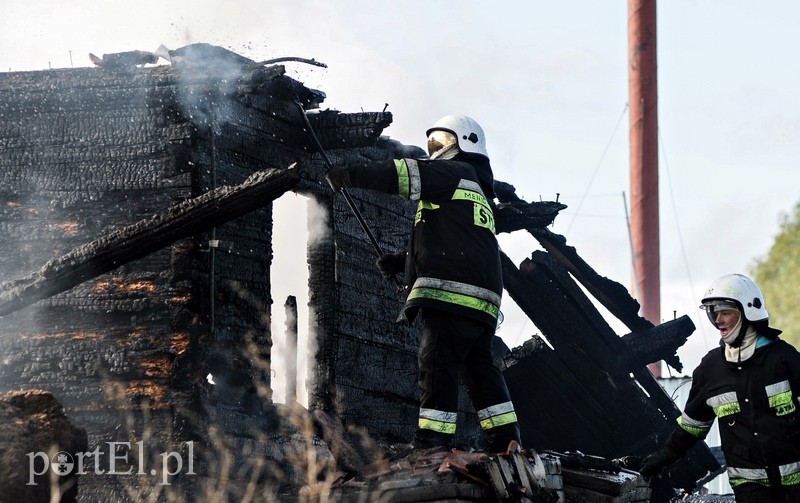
(778, 275)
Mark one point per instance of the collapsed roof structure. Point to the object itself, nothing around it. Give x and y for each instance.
(135, 203)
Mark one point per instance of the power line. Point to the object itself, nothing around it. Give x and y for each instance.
(663, 149)
(597, 168)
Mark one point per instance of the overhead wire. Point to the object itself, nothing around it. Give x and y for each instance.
(663, 150)
(524, 325)
(596, 169)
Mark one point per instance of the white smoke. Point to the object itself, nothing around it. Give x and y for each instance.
(289, 275)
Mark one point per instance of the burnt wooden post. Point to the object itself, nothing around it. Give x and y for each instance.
(290, 308)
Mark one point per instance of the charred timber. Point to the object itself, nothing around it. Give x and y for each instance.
(146, 236)
(513, 213)
(577, 381)
(654, 344)
(613, 297)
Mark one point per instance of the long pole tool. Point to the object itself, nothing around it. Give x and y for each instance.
(363, 223)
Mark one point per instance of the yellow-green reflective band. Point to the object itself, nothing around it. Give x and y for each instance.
(482, 215)
(780, 398)
(469, 195)
(408, 181)
(790, 474)
(724, 404)
(497, 415)
(494, 410)
(791, 480)
(458, 287)
(739, 476)
(454, 298)
(727, 409)
(695, 428)
(440, 426)
(734, 482)
(424, 205)
(495, 421)
(402, 177)
(782, 403)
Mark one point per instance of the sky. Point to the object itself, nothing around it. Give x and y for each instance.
(548, 81)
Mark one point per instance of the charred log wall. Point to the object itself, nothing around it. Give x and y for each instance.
(85, 152)
(366, 362)
(89, 151)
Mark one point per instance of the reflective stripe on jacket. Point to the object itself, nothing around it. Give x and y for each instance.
(453, 260)
(755, 403)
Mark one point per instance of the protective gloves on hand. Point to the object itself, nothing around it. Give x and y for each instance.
(391, 263)
(338, 178)
(676, 446)
(654, 463)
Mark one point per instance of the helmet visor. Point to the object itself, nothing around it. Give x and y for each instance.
(438, 140)
(712, 307)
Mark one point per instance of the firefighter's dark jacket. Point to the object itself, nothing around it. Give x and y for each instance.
(453, 261)
(755, 403)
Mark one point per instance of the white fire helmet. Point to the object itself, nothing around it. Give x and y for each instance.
(739, 290)
(467, 132)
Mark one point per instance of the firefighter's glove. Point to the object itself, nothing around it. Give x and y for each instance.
(338, 178)
(391, 263)
(656, 462)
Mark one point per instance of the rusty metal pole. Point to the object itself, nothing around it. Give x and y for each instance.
(643, 117)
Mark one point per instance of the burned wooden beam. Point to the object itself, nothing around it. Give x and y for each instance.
(513, 213)
(577, 383)
(613, 297)
(146, 236)
(653, 344)
(610, 294)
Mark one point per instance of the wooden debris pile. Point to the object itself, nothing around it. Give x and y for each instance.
(454, 475)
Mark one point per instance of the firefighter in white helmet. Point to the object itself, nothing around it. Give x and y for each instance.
(751, 385)
(453, 278)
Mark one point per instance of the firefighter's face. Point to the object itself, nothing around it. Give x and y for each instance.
(439, 139)
(726, 320)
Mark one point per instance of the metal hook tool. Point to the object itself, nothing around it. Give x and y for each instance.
(363, 223)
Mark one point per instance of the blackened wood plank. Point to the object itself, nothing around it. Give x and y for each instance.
(146, 236)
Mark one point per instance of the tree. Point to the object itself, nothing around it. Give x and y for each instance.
(778, 275)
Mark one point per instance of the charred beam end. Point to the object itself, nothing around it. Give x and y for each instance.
(146, 236)
(514, 216)
(654, 344)
(513, 213)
